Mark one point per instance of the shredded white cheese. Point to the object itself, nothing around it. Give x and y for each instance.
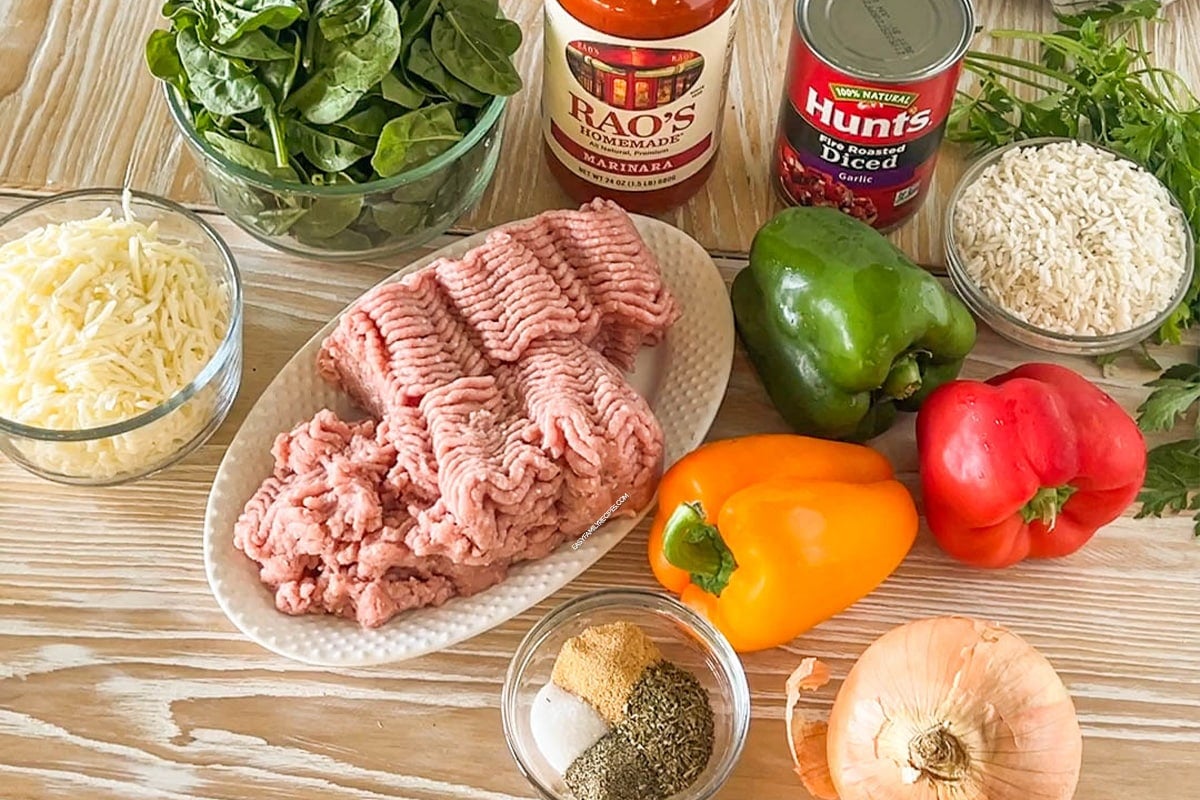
(100, 321)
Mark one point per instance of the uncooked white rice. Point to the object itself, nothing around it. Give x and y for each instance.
(1072, 239)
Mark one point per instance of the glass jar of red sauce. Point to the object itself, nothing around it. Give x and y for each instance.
(633, 97)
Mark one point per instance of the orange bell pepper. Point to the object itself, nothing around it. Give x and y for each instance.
(767, 536)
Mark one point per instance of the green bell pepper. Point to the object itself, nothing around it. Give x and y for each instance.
(842, 327)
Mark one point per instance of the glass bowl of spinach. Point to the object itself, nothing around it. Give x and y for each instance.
(340, 129)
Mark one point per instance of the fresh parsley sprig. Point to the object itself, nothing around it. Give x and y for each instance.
(1173, 471)
(1096, 80)
(1173, 397)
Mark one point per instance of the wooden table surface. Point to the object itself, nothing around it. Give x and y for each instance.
(121, 678)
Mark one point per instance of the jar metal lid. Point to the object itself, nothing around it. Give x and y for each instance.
(892, 41)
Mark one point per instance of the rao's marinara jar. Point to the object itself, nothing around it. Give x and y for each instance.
(633, 96)
(869, 86)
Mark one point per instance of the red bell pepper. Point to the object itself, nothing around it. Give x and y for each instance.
(1029, 464)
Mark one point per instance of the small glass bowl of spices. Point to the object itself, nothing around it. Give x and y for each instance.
(625, 694)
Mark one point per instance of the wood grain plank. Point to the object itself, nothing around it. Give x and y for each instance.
(121, 678)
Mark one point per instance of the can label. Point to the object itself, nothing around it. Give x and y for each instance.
(633, 115)
(866, 147)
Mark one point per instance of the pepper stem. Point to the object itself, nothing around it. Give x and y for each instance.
(691, 544)
(1046, 504)
(904, 379)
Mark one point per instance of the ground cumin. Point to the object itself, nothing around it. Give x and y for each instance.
(602, 665)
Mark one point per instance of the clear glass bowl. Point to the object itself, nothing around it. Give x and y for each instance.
(1018, 330)
(160, 437)
(351, 222)
(682, 635)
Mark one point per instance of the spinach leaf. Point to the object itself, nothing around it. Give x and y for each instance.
(182, 14)
(505, 35)
(253, 46)
(348, 68)
(162, 58)
(367, 123)
(346, 241)
(328, 216)
(203, 121)
(416, 19)
(341, 18)
(280, 75)
(422, 190)
(277, 221)
(174, 8)
(414, 139)
(424, 64)
(400, 219)
(224, 86)
(397, 89)
(324, 150)
(253, 135)
(483, 8)
(231, 19)
(478, 19)
(460, 92)
(260, 210)
(472, 60)
(249, 156)
(238, 200)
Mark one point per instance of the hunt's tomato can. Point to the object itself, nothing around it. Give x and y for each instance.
(869, 86)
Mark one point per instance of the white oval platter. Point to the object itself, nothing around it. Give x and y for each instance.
(684, 379)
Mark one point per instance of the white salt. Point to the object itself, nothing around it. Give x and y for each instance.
(563, 726)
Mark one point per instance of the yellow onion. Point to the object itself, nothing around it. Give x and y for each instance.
(949, 709)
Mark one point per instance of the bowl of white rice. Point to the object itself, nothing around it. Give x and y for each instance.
(1067, 247)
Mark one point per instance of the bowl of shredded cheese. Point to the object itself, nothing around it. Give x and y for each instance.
(121, 349)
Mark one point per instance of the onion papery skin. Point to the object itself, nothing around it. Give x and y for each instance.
(953, 709)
